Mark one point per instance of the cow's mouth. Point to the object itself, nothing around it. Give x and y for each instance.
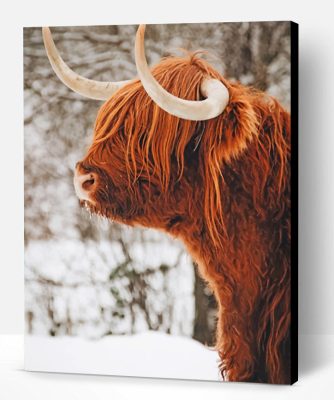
(94, 208)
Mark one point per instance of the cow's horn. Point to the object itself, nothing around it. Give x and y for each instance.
(216, 93)
(86, 87)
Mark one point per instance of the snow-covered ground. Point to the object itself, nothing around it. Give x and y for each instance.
(149, 354)
(316, 370)
(68, 283)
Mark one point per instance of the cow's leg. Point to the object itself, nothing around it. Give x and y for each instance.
(235, 345)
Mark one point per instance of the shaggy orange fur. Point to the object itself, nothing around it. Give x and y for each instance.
(222, 186)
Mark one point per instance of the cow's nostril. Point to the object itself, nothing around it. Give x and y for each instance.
(88, 183)
(85, 184)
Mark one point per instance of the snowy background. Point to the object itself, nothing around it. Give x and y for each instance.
(87, 278)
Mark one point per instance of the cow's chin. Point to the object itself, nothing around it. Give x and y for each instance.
(95, 208)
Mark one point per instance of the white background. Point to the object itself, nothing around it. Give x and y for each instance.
(316, 270)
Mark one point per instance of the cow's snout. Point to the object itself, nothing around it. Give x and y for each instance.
(84, 183)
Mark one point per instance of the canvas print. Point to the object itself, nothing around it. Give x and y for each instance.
(160, 200)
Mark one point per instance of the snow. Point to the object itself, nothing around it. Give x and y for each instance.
(149, 354)
(316, 370)
(73, 278)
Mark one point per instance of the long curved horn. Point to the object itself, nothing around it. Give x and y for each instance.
(86, 87)
(216, 93)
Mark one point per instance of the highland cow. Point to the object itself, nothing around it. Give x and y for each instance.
(185, 151)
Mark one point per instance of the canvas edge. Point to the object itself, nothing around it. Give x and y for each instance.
(294, 200)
